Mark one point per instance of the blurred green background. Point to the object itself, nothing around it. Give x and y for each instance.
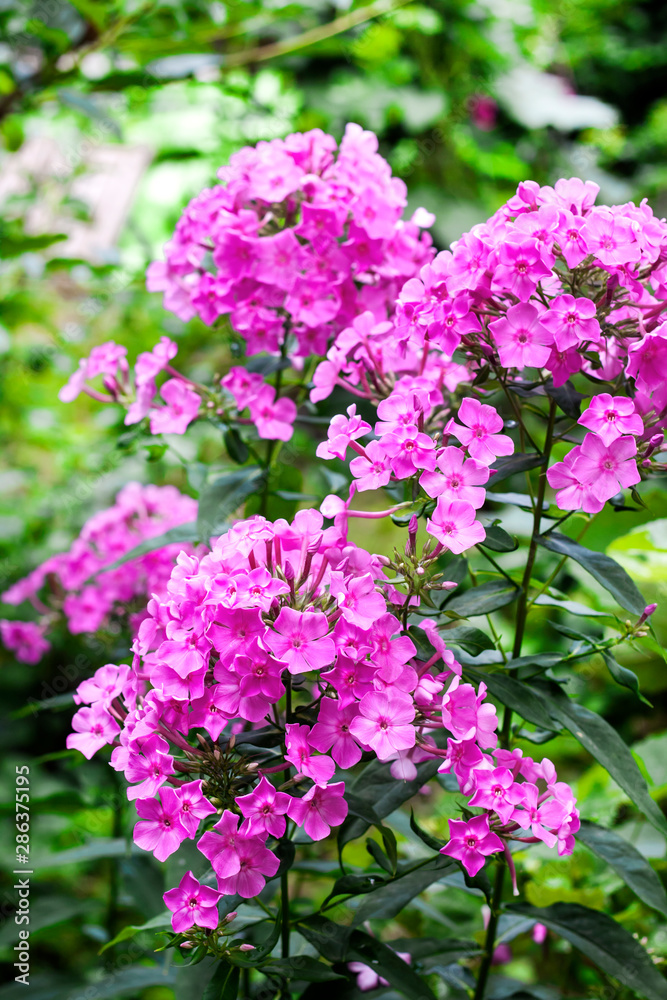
(114, 114)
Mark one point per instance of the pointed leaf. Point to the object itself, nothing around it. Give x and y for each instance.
(627, 862)
(364, 948)
(510, 466)
(224, 984)
(517, 695)
(602, 568)
(182, 533)
(393, 896)
(219, 499)
(303, 967)
(498, 540)
(605, 942)
(483, 599)
(623, 676)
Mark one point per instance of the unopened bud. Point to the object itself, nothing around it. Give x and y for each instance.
(448, 585)
(246, 947)
(230, 916)
(186, 944)
(646, 613)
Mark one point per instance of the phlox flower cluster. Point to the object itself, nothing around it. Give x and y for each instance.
(300, 236)
(272, 607)
(74, 585)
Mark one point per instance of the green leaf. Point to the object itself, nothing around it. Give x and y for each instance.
(379, 855)
(604, 743)
(567, 397)
(236, 447)
(224, 984)
(498, 540)
(181, 533)
(393, 896)
(446, 949)
(601, 567)
(517, 695)
(472, 639)
(219, 499)
(627, 862)
(483, 599)
(363, 948)
(102, 847)
(354, 885)
(330, 939)
(512, 464)
(623, 676)
(301, 967)
(521, 500)
(163, 920)
(424, 836)
(605, 942)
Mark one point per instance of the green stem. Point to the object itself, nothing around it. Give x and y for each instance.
(521, 616)
(284, 905)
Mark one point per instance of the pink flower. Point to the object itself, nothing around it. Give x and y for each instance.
(25, 639)
(453, 524)
(572, 493)
(471, 842)
(520, 268)
(192, 903)
(368, 978)
(611, 416)
(162, 831)
(150, 767)
(409, 451)
(610, 238)
(342, 430)
(332, 732)
(373, 469)
(466, 715)
(607, 468)
(300, 640)
(194, 805)
(571, 321)
(541, 819)
(273, 418)
(496, 791)
(520, 337)
(299, 753)
(255, 861)
(94, 728)
(319, 809)
(106, 684)
(264, 809)
(459, 478)
(481, 434)
(357, 598)
(384, 722)
(181, 409)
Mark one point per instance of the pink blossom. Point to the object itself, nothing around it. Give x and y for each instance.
(520, 267)
(161, 830)
(459, 478)
(194, 805)
(220, 845)
(572, 493)
(409, 451)
(571, 321)
(610, 238)
(453, 524)
(540, 819)
(480, 433)
(264, 809)
(255, 861)
(521, 338)
(192, 904)
(368, 978)
(299, 753)
(272, 417)
(150, 767)
(93, 728)
(611, 416)
(606, 468)
(181, 409)
(373, 469)
(471, 842)
(384, 722)
(300, 640)
(106, 684)
(25, 639)
(332, 732)
(342, 430)
(319, 809)
(466, 715)
(358, 599)
(496, 790)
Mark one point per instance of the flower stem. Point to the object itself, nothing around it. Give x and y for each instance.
(521, 616)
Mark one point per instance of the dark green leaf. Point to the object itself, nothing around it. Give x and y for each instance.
(219, 499)
(330, 939)
(267, 365)
(301, 967)
(224, 984)
(473, 640)
(424, 836)
(446, 949)
(363, 948)
(498, 540)
(567, 397)
(605, 942)
(602, 568)
(161, 922)
(510, 466)
(604, 743)
(236, 447)
(393, 896)
(284, 851)
(517, 695)
(354, 885)
(379, 855)
(627, 862)
(521, 500)
(623, 676)
(483, 599)
(102, 847)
